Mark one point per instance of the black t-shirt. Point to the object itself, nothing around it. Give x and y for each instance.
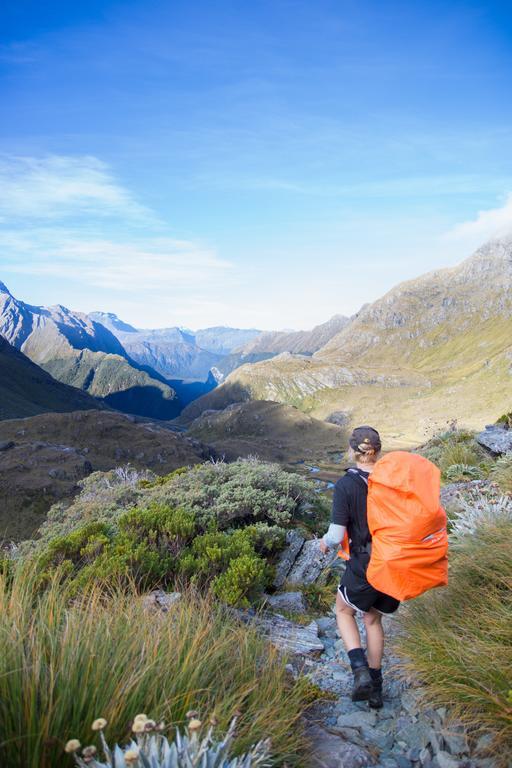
(349, 506)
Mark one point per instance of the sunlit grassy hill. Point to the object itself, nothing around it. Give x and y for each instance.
(433, 349)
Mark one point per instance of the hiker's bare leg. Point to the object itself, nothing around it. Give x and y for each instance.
(374, 638)
(345, 617)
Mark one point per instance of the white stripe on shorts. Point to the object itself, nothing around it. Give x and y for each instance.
(343, 593)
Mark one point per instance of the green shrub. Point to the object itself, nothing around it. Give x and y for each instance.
(218, 496)
(244, 578)
(501, 473)
(64, 662)
(144, 546)
(458, 640)
(229, 560)
(457, 473)
(155, 545)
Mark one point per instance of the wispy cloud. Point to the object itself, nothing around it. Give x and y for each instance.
(68, 218)
(493, 222)
(152, 264)
(59, 186)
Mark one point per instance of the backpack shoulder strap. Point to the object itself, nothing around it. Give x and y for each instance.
(357, 477)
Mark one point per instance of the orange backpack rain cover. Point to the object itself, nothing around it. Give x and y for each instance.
(408, 526)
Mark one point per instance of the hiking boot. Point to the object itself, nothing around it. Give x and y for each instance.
(375, 701)
(362, 689)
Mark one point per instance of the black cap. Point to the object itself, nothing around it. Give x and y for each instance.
(365, 440)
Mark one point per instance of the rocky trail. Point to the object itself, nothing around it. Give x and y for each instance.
(404, 733)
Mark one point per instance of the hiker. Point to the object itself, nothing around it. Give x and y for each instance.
(349, 518)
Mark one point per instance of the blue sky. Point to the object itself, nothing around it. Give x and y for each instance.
(263, 164)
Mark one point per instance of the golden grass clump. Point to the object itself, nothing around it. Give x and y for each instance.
(501, 473)
(458, 640)
(62, 662)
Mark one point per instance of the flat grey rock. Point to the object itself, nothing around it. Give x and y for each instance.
(496, 439)
(310, 563)
(291, 602)
(445, 760)
(294, 542)
(456, 742)
(357, 719)
(286, 635)
(330, 751)
(326, 624)
(415, 735)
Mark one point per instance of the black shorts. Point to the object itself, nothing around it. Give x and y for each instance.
(359, 594)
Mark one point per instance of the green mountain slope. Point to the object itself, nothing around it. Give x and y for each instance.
(26, 389)
(431, 350)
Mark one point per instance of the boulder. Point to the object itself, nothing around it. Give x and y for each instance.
(331, 751)
(5, 445)
(290, 602)
(496, 439)
(286, 635)
(456, 741)
(161, 600)
(294, 542)
(310, 563)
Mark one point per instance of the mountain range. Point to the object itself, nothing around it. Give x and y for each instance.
(434, 349)
(149, 372)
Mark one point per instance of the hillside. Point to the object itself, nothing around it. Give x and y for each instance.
(26, 389)
(268, 344)
(270, 431)
(433, 349)
(83, 353)
(298, 342)
(45, 456)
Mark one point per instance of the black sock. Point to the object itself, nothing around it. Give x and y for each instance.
(357, 658)
(376, 675)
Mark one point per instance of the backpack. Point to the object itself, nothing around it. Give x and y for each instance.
(408, 526)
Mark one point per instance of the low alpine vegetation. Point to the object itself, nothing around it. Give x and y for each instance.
(150, 747)
(220, 496)
(458, 640)
(501, 473)
(65, 658)
(218, 526)
(458, 455)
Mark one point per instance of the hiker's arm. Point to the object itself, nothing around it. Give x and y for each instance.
(334, 535)
(339, 520)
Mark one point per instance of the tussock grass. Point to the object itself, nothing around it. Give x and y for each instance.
(501, 473)
(456, 448)
(62, 664)
(458, 640)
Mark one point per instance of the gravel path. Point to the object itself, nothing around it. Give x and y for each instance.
(403, 734)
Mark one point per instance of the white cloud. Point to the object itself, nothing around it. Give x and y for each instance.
(494, 222)
(69, 219)
(58, 186)
(163, 265)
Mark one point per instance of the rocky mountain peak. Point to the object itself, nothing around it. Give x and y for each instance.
(492, 257)
(111, 321)
(4, 289)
